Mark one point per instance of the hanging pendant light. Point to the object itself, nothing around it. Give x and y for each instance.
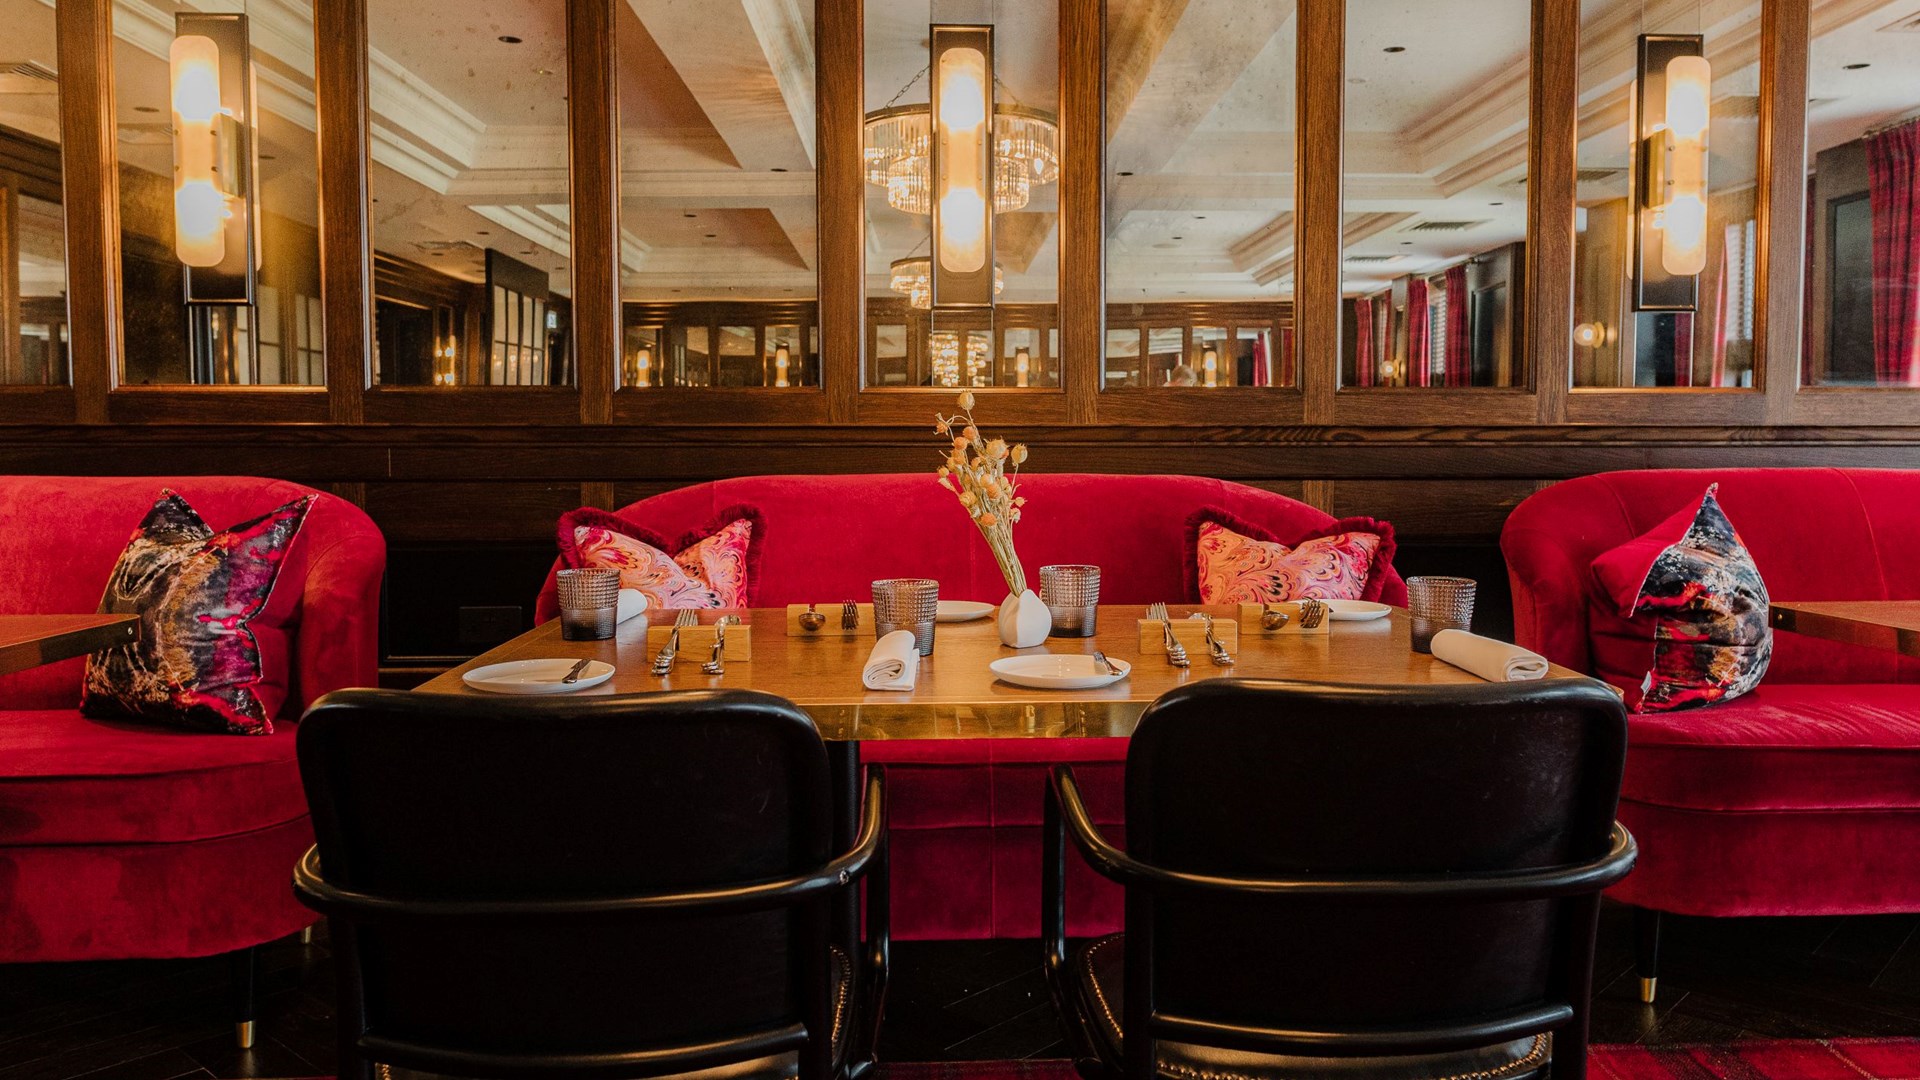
(912, 277)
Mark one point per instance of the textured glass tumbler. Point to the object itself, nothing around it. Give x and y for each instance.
(1436, 604)
(1072, 596)
(909, 604)
(589, 603)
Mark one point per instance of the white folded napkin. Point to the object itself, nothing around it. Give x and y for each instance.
(893, 664)
(1494, 661)
(632, 603)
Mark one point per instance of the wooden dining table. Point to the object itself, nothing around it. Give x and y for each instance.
(1880, 624)
(28, 641)
(956, 696)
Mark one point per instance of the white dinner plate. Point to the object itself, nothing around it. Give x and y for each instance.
(1355, 610)
(537, 676)
(1058, 671)
(962, 611)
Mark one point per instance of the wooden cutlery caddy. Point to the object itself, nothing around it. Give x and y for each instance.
(696, 641)
(1250, 614)
(834, 616)
(1190, 633)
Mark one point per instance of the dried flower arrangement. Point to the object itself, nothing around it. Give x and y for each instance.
(985, 474)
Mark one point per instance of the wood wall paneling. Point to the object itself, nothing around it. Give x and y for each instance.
(1318, 184)
(593, 120)
(839, 143)
(1552, 124)
(1083, 232)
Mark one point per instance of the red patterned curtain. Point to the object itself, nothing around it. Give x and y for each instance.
(1419, 367)
(1893, 164)
(1459, 354)
(1260, 375)
(1365, 365)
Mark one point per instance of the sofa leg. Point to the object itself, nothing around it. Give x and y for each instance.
(1646, 951)
(244, 965)
(306, 935)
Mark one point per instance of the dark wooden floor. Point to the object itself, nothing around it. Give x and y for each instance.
(1723, 979)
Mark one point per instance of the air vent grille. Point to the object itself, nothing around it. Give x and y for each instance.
(28, 69)
(1375, 260)
(1443, 226)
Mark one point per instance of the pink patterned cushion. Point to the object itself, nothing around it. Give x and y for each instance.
(711, 568)
(1235, 564)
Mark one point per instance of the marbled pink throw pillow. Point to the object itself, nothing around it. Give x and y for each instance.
(1236, 569)
(710, 568)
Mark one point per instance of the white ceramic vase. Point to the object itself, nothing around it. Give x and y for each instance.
(1024, 620)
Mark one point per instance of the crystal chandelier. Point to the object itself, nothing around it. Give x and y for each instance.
(944, 350)
(899, 155)
(912, 277)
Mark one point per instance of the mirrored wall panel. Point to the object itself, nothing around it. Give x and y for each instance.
(471, 242)
(962, 162)
(219, 207)
(33, 259)
(718, 226)
(1665, 246)
(1862, 288)
(1200, 187)
(1434, 238)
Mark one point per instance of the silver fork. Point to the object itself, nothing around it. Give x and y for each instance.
(1216, 651)
(663, 664)
(1176, 652)
(714, 666)
(1101, 659)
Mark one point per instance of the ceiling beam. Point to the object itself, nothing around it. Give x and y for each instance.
(749, 63)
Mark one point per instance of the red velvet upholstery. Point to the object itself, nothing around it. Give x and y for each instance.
(1804, 796)
(127, 841)
(966, 815)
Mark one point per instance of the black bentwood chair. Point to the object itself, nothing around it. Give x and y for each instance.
(1347, 881)
(611, 887)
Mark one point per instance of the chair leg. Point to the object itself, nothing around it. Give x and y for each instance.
(306, 935)
(1646, 951)
(244, 965)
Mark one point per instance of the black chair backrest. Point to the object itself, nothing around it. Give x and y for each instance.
(1275, 780)
(437, 798)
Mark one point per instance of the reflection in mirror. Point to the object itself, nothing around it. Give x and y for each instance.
(1863, 198)
(1435, 225)
(1200, 132)
(718, 231)
(469, 184)
(219, 249)
(916, 336)
(1664, 256)
(33, 258)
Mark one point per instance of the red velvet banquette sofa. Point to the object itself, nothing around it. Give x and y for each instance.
(121, 840)
(966, 814)
(1802, 797)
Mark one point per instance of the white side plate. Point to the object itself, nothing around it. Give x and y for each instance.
(1355, 610)
(1058, 671)
(537, 676)
(962, 611)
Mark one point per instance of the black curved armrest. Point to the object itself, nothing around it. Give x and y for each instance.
(315, 891)
(1540, 883)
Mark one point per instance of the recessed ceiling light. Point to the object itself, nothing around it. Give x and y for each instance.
(1179, 238)
(483, 232)
(1406, 243)
(145, 108)
(509, 39)
(1496, 204)
(689, 215)
(710, 236)
(269, 157)
(1356, 80)
(529, 251)
(1126, 174)
(779, 170)
(542, 71)
(1199, 217)
(1394, 49)
(1857, 67)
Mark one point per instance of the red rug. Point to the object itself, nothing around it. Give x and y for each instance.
(1758, 1059)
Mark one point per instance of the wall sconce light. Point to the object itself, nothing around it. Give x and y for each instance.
(445, 364)
(1022, 364)
(962, 165)
(1210, 366)
(1673, 103)
(210, 74)
(781, 359)
(1592, 335)
(640, 367)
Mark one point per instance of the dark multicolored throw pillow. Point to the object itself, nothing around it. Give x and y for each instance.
(1703, 593)
(197, 592)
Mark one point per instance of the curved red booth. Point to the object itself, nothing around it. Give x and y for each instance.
(122, 841)
(966, 814)
(1802, 797)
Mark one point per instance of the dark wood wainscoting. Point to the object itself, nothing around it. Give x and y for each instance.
(469, 511)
